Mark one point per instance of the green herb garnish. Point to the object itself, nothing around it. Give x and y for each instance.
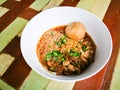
(75, 64)
(84, 48)
(63, 59)
(61, 41)
(48, 56)
(54, 55)
(80, 42)
(74, 53)
(51, 68)
(49, 45)
(52, 34)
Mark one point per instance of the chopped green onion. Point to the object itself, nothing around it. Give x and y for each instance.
(63, 59)
(75, 64)
(80, 42)
(49, 45)
(61, 41)
(52, 69)
(84, 48)
(53, 55)
(48, 56)
(55, 58)
(77, 46)
(52, 34)
(74, 53)
(56, 53)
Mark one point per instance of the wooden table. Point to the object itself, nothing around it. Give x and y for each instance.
(16, 74)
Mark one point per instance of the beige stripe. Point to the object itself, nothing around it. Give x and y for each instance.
(100, 7)
(3, 10)
(53, 3)
(86, 4)
(54, 85)
(20, 33)
(5, 61)
(115, 84)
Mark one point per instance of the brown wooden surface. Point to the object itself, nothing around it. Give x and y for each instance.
(100, 81)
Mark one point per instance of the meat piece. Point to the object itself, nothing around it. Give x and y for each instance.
(50, 63)
(75, 30)
(84, 60)
(71, 67)
(66, 63)
(59, 70)
(86, 54)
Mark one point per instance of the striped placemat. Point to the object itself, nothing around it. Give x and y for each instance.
(115, 83)
(10, 35)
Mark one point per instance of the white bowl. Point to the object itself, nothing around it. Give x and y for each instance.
(62, 16)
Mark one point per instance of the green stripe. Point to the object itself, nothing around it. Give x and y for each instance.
(5, 61)
(4, 86)
(53, 3)
(38, 4)
(11, 31)
(98, 7)
(34, 82)
(3, 10)
(55, 85)
(86, 4)
(2, 1)
(115, 84)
